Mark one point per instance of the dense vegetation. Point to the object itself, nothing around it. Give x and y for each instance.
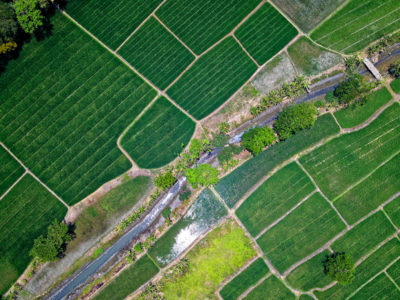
(257, 138)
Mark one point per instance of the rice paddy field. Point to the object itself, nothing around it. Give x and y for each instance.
(27, 210)
(394, 271)
(265, 33)
(277, 195)
(393, 211)
(271, 288)
(10, 170)
(380, 287)
(395, 85)
(358, 24)
(157, 136)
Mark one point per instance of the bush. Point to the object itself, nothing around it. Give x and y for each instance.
(185, 195)
(227, 153)
(203, 175)
(319, 104)
(164, 181)
(166, 212)
(224, 127)
(195, 148)
(340, 267)
(219, 140)
(258, 138)
(138, 248)
(330, 97)
(349, 89)
(295, 118)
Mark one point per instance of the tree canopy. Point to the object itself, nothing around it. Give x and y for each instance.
(255, 139)
(164, 181)
(203, 175)
(340, 267)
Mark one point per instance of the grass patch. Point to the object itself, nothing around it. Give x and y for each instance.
(214, 258)
(393, 211)
(310, 274)
(10, 170)
(247, 278)
(200, 24)
(111, 22)
(307, 228)
(205, 212)
(213, 78)
(233, 186)
(156, 53)
(271, 288)
(358, 24)
(395, 85)
(64, 103)
(352, 115)
(379, 288)
(265, 33)
(157, 137)
(27, 210)
(129, 280)
(372, 265)
(274, 198)
(310, 59)
(343, 161)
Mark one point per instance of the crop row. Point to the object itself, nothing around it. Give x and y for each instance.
(10, 170)
(381, 287)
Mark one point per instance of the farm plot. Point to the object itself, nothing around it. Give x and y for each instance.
(393, 211)
(64, 103)
(111, 22)
(265, 33)
(200, 24)
(345, 160)
(381, 287)
(271, 288)
(129, 280)
(352, 115)
(358, 24)
(213, 79)
(274, 198)
(156, 54)
(10, 170)
(372, 265)
(156, 138)
(394, 272)
(27, 210)
(205, 212)
(305, 297)
(395, 85)
(235, 185)
(372, 192)
(310, 274)
(304, 230)
(247, 278)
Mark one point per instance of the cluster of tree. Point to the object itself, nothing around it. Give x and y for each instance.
(384, 43)
(394, 69)
(257, 138)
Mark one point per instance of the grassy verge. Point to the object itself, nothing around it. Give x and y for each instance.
(395, 85)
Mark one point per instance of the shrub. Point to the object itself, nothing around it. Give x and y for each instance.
(185, 195)
(295, 118)
(219, 140)
(330, 97)
(138, 248)
(195, 148)
(227, 153)
(319, 104)
(349, 89)
(224, 127)
(164, 181)
(340, 267)
(257, 138)
(166, 212)
(394, 69)
(203, 175)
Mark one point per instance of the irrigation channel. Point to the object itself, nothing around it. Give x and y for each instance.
(318, 90)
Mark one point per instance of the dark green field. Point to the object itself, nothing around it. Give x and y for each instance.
(200, 24)
(110, 21)
(27, 210)
(265, 33)
(303, 231)
(64, 103)
(247, 278)
(156, 138)
(380, 287)
(393, 211)
(352, 116)
(156, 54)
(213, 79)
(395, 85)
(10, 170)
(394, 272)
(310, 274)
(235, 185)
(271, 288)
(129, 280)
(274, 198)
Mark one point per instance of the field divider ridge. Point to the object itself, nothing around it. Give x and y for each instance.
(390, 220)
(391, 279)
(244, 49)
(14, 184)
(248, 291)
(285, 16)
(341, 129)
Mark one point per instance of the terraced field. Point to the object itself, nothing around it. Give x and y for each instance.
(10, 170)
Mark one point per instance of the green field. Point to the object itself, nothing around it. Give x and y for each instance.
(395, 85)
(205, 212)
(372, 192)
(200, 24)
(111, 22)
(236, 184)
(305, 297)
(394, 272)
(381, 288)
(247, 278)
(364, 237)
(156, 53)
(156, 138)
(277, 195)
(352, 115)
(129, 280)
(374, 264)
(265, 33)
(10, 170)
(212, 79)
(310, 274)
(272, 289)
(393, 211)
(64, 103)
(27, 210)
(345, 160)
(303, 231)
(358, 24)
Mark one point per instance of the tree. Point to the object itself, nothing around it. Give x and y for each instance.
(340, 267)
(257, 138)
(195, 148)
(395, 69)
(227, 153)
(349, 89)
(166, 212)
(219, 140)
(295, 118)
(28, 14)
(203, 175)
(164, 181)
(138, 248)
(47, 249)
(8, 25)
